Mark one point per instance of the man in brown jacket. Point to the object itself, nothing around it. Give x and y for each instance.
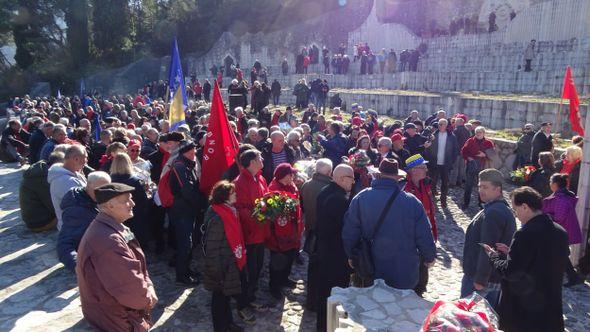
(115, 289)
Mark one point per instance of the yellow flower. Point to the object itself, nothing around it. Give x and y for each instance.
(270, 201)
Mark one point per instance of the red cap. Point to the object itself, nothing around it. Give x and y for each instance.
(133, 143)
(356, 121)
(130, 126)
(283, 170)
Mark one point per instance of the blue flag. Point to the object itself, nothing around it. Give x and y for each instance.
(58, 94)
(177, 97)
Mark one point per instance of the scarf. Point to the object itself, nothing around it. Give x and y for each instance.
(568, 167)
(424, 195)
(233, 232)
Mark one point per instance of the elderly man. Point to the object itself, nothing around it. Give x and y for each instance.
(150, 144)
(116, 291)
(442, 154)
(334, 270)
(15, 141)
(63, 177)
(275, 154)
(79, 209)
(58, 136)
(309, 195)
(375, 212)
(458, 173)
(474, 153)
(494, 224)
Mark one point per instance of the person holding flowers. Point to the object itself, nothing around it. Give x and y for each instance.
(251, 185)
(285, 229)
(225, 258)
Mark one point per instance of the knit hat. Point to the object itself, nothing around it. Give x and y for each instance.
(415, 160)
(492, 175)
(389, 166)
(356, 121)
(283, 170)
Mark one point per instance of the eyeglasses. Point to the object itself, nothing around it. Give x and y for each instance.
(134, 150)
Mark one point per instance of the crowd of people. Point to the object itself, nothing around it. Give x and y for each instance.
(118, 183)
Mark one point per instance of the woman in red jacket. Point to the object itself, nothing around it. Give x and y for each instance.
(474, 152)
(285, 233)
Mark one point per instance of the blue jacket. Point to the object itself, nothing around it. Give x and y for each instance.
(36, 142)
(79, 210)
(404, 237)
(47, 149)
(336, 147)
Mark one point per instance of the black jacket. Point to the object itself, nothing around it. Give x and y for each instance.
(188, 200)
(462, 135)
(269, 166)
(532, 277)
(541, 143)
(539, 180)
(334, 269)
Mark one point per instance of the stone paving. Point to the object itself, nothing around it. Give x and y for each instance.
(38, 293)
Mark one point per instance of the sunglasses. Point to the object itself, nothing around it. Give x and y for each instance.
(134, 150)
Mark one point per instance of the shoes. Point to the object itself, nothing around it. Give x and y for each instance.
(247, 316)
(233, 327)
(259, 306)
(290, 283)
(577, 280)
(187, 281)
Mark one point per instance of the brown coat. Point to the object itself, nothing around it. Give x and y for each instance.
(115, 289)
(221, 271)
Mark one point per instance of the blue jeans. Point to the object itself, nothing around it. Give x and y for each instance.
(491, 293)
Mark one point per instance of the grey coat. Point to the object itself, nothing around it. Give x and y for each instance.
(221, 271)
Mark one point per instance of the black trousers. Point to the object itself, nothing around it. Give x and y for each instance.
(221, 311)
(441, 172)
(275, 99)
(312, 279)
(183, 228)
(280, 268)
(527, 66)
(254, 263)
(422, 279)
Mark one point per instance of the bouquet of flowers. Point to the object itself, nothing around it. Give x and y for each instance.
(274, 205)
(359, 160)
(522, 175)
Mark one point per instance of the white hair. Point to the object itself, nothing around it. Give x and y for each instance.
(443, 120)
(480, 128)
(64, 121)
(293, 135)
(324, 166)
(385, 141)
(98, 176)
(277, 133)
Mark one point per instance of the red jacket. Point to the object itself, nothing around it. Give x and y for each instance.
(248, 189)
(285, 234)
(275, 119)
(115, 288)
(424, 195)
(473, 146)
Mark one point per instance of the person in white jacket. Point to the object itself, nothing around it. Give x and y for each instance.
(63, 177)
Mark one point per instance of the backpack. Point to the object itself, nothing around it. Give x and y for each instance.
(164, 190)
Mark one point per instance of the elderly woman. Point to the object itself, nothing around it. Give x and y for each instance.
(294, 141)
(122, 171)
(225, 258)
(285, 233)
(363, 143)
(570, 164)
(561, 206)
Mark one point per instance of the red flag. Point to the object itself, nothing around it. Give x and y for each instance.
(221, 145)
(569, 92)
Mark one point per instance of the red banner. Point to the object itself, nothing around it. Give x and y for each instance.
(569, 92)
(221, 145)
